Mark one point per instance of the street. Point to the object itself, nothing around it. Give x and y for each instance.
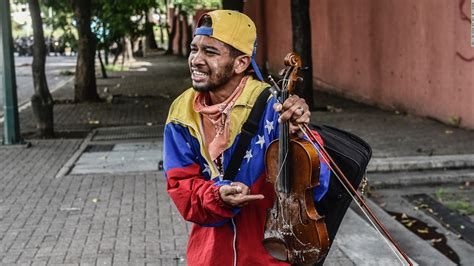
(59, 69)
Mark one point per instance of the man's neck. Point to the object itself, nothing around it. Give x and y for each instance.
(221, 94)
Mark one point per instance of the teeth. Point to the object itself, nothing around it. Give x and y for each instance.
(198, 73)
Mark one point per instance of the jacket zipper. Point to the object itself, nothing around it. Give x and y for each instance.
(234, 242)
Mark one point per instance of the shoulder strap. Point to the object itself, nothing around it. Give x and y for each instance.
(249, 129)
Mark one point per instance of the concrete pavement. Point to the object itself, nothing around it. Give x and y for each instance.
(50, 214)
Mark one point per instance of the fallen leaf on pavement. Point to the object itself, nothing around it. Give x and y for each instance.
(423, 231)
(409, 223)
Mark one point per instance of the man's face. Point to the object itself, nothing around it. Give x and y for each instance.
(210, 63)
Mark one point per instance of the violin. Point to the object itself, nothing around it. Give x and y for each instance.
(294, 231)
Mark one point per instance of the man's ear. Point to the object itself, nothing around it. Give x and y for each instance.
(241, 63)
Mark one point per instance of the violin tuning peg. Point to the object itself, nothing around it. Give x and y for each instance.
(272, 81)
(282, 72)
(275, 94)
(270, 78)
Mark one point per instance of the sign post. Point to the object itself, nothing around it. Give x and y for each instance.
(11, 127)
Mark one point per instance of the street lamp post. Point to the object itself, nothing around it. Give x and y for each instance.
(11, 127)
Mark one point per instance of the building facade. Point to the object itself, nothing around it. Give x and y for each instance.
(409, 56)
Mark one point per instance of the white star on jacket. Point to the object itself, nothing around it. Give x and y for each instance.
(248, 155)
(269, 126)
(207, 169)
(261, 141)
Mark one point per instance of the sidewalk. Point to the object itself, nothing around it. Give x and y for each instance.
(49, 215)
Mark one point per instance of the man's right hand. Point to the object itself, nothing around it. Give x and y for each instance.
(237, 194)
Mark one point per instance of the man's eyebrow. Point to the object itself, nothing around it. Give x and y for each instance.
(206, 47)
(210, 48)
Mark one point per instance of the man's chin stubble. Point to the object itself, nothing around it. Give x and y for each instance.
(202, 88)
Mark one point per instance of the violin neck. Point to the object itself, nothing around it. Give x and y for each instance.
(284, 184)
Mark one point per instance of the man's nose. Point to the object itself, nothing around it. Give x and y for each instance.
(196, 58)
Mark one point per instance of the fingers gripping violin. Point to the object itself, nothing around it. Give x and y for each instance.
(294, 231)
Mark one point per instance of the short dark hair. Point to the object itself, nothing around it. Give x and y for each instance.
(206, 21)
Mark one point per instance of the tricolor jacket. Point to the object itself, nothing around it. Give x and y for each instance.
(222, 235)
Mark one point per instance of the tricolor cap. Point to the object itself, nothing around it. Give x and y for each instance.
(235, 29)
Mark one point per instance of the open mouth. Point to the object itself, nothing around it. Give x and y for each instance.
(198, 75)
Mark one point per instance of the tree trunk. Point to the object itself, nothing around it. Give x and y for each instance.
(85, 88)
(150, 33)
(41, 101)
(162, 37)
(102, 66)
(237, 5)
(172, 33)
(128, 51)
(106, 46)
(118, 51)
(301, 28)
(164, 24)
(189, 38)
(180, 34)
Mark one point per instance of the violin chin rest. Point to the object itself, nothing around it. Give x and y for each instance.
(276, 248)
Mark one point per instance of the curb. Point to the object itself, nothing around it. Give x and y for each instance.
(414, 163)
(421, 178)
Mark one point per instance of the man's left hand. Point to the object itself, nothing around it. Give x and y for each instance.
(237, 194)
(295, 110)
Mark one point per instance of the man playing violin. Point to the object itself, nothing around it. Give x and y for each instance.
(201, 133)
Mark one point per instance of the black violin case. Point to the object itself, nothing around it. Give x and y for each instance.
(352, 155)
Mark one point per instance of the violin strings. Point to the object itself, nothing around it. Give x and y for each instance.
(281, 203)
(284, 83)
(355, 200)
(281, 167)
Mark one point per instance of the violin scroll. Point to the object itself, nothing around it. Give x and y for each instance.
(294, 63)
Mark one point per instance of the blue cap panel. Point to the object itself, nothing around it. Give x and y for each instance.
(203, 31)
(254, 64)
(256, 69)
